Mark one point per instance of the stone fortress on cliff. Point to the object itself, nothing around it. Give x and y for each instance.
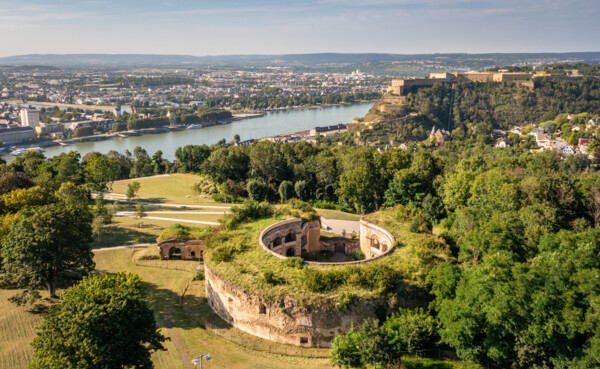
(400, 87)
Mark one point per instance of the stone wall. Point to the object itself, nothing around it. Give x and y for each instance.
(374, 240)
(278, 239)
(333, 244)
(184, 249)
(291, 237)
(283, 320)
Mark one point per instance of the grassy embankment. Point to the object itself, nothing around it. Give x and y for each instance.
(246, 263)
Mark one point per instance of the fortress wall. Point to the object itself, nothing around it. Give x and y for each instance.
(190, 249)
(392, 109)
(283, 320)
(374, 240)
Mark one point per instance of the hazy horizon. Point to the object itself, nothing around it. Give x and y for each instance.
(268, 27)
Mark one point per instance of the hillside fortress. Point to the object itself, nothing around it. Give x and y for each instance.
(401, 86)
(285, 319)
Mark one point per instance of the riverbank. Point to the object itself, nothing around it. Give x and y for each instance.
(267, 125)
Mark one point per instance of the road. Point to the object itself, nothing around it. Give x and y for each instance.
(122, 198)
(338, 226)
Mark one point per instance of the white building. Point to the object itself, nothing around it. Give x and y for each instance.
(30, 118)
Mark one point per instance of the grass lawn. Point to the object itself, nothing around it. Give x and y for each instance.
(166, 189)
(336, 214)
(125, 231)
(17, 329)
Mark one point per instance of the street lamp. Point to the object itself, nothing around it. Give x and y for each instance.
(198, 360)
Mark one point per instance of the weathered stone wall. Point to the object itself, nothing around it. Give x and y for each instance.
(290, 237)
(397, 109)
(374, 240)
(190, 249)
(283, 320)
(349, 246)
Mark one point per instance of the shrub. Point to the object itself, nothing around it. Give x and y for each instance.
(358, 255)
(322, 281)
(412, 330)
(346, 299)
(257, 190)
(249, 210)
(344, 349)
(323, 204)
(294, 262)
(270, 278)
(183, 232)
(199, 276)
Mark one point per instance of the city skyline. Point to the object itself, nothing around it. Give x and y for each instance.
(270, 27)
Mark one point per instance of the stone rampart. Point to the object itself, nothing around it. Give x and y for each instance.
(283, 320)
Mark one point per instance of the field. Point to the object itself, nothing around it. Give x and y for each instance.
(172, 188)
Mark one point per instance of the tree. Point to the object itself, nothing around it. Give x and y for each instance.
(103, 322)
(47, 243)
(257, 190)
(191, 157)
(100, 171)
(411, 330)
(357, 189)
(83, 131)
(344, 349)
(286, 191)
(132, 189)
(119, 127)
(236, 138)
(11, 181)
(160, 164)
(302, 190)
(140, 213)
(98, 226)
(142, 164)
(375, 343)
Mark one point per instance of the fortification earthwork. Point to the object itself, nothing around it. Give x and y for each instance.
(285, 319)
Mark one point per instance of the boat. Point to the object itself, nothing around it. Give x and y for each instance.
(194, 126)
(21, 151)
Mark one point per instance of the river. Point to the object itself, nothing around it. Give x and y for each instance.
(272, 123)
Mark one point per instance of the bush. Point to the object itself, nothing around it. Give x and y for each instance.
(344, 349)
(412, 330)
(257, 190)
(294, 262)
(346, 299)
(358, 255)
(322, 281)
(249, 210)
(183, 232)
(199, 276)
(270, 278)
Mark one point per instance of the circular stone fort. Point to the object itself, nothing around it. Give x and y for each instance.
(310, 322)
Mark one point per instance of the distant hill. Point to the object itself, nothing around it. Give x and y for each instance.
(319, 59)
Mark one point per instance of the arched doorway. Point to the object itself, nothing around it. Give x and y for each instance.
(290, 252)
(175, 253)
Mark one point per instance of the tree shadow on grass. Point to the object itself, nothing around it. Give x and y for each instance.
(119, 236)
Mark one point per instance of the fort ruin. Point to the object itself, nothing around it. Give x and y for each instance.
(284, 319)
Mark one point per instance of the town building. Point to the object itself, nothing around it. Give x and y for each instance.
(30, 117)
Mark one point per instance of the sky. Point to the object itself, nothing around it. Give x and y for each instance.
(223, 27)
